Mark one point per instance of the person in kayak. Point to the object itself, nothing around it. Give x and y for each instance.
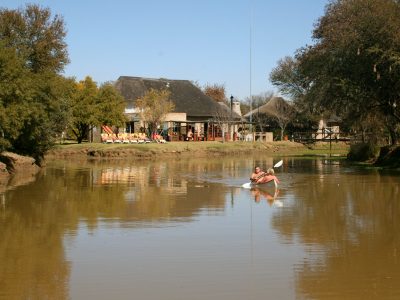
(260, 176)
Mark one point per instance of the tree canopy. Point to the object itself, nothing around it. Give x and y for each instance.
(353, 67)
(37, 37)
(287, 76)
(32, 93)
(37, 103)
(216, 92)
(94, 106)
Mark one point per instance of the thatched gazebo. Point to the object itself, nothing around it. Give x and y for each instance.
(276, 109)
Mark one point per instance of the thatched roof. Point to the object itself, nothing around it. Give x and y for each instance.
(276, 106)
(186, 96)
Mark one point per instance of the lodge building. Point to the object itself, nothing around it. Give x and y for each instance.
(195, 111)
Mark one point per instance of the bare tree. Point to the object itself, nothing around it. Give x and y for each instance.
(221, 118)
(154, 106)
(283, 114)
(277, 110)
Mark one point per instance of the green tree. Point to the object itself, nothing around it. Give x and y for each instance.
(84, 117)
(93, 106)
(33, 107)
(33, 96)
(354, 66)
(288, 78)
(45, 117)
(14, 87)
(154, 106)
(111, 105)
(37, 38)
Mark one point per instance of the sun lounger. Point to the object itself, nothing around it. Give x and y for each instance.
(124, 138)
(159, 139)
(116, 139)
(105, 138)
(142, 138)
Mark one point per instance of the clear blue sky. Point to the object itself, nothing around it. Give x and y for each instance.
(207, 41)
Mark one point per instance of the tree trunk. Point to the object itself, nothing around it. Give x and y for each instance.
(283, 127)
(82, 132)
(152, 130)
(393, 136)
(363, 135)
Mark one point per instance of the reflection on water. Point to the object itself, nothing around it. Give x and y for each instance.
(185, 229)
(268, 194)
(354, 218)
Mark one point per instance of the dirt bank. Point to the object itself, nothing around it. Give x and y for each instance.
(16, 170)
(192, 149)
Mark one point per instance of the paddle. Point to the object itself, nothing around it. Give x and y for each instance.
(247, 185)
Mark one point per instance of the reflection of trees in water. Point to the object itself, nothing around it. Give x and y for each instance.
(353, 220)
(32, 257)
(35, 218)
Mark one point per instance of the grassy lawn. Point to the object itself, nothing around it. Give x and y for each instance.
(201, 148)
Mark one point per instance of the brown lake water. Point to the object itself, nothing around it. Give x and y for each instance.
(187, 230)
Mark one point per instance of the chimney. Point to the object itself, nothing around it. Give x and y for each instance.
(236, 107)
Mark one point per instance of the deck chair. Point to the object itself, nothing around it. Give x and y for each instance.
(106, 139)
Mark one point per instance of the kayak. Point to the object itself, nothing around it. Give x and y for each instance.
(249, 185)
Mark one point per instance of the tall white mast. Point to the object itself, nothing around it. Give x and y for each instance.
(251, 97)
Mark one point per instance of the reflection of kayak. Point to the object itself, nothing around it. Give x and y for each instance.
(268, 193)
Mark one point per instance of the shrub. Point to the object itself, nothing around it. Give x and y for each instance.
(363, 152)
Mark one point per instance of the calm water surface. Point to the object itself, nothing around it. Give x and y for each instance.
(187, 230)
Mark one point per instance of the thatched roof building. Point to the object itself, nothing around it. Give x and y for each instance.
(187, 97)
(275, 107)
